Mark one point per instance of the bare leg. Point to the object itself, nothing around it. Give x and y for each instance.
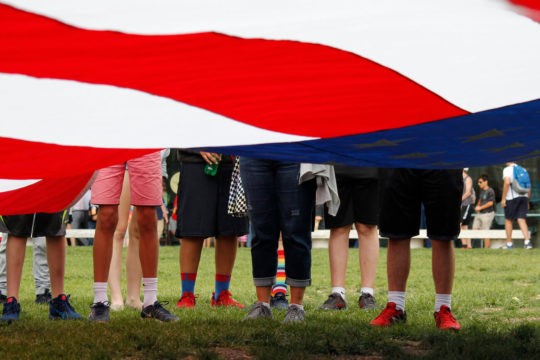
(466, 242)
(103, 239)
(398, 263)
(263, 293)
(442, 265)
(15, 252)
(524, 228)
(149, 244)
(56, 259)
(338, 249)
(226, 247)
(190, 254)
(133, 266)
(368, 253)
(115, 272)
(508, 228)
(297, 295)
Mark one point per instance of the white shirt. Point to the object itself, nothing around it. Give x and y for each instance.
(508, 172)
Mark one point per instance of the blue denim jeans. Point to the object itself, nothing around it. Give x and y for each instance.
(278, 204)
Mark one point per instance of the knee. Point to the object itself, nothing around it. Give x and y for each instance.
(146, 218)
(365, 230)
(107, 219)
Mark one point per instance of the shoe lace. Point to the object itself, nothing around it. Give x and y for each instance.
(388, 313)
(294, 312)
(331, 298)
(159, 309)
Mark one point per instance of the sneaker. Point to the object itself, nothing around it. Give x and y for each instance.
(44, 298)
(61, 309)
(225, 299)
(528, 246)
(334, 302)
(389, 316)
(366, 302)
(99, 312)
(3, 298)
(444, 319)
(295, 314)
(507, 247)
(259, 311)
(187, 300)
(11, 310)
(279, 301)
(158, 312)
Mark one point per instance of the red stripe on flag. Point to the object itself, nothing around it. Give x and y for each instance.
(285, 86)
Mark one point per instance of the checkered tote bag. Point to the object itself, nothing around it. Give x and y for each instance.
(237, 206)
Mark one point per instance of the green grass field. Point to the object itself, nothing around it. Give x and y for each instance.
(496, 299)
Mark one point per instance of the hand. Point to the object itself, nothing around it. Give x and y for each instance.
(503, 203)
(477, 209)
(210, 158)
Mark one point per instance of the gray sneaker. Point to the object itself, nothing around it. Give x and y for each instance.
(366, 302)
(259, 311)
(99, 312)
(295, 314)
(334, 302)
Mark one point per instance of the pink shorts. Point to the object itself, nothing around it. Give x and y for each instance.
(144, 182)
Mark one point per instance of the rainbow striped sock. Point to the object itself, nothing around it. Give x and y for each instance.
(280, 285)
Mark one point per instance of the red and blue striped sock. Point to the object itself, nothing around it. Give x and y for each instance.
(222, 283)
(188, 282)
(280, 285)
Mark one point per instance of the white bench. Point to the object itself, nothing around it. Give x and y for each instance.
(498, 236)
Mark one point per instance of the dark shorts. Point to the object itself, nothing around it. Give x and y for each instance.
(35, 225)
(516, 208)
(404, 192)
(466, 214)
(202, 203)
(359, 203)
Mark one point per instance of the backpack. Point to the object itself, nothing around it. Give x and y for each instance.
(521, 182)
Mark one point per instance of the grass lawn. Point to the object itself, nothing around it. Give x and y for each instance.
(496, 299)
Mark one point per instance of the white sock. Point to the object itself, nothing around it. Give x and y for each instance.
(397, 297)
(100, 292)
(367, 290)
(509, 244)
(149, 291)
(339, 290)
(527, 242)
(442, 299)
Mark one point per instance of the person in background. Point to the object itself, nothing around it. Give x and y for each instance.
(485, 207)
(515, 207)
(467, 205)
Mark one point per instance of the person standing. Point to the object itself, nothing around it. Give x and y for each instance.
(515, 206)
(485, 208)
(358, 190)
(146, 193)
(277, 203)
(467, 204)
(202, 213)
(405, 192)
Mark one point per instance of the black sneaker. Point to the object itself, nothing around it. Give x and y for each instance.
(11, 310)
(44, 298)
(279, 301)
(158, 312)
(3, 298)
(61, 309)
(99, 312)
(334, 302)
(366, 302)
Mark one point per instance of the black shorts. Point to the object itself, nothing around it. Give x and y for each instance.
(35, 225)
(359, 203)
(516, 208)
(202, 203)
(466, 214)
(406, 189)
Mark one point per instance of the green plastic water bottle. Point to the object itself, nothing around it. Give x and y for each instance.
(211, 169)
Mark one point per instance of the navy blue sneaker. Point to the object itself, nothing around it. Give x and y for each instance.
(11, 310)
(61, 309)
(44, 298)
(279, 301)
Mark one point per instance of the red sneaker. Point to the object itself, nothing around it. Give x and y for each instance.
(389, 316)
(445, 320)
(225, 299)
(187, 300)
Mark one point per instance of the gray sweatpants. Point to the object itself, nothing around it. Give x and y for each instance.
(40, 267)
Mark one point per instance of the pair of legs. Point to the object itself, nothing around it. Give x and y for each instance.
(133, 263)
(508, 227)
(368, 253)
(56, 256)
